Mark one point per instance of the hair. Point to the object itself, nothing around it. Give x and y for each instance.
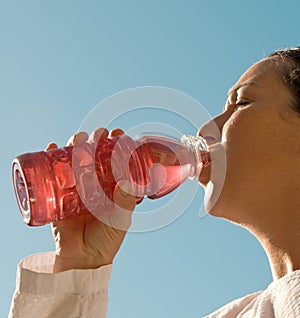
(289, 73)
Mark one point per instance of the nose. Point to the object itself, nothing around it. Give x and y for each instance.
(212, 130)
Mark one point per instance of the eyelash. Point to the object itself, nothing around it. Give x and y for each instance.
(242, 104)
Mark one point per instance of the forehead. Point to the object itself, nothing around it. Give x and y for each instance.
(263, 67)
(263, 73)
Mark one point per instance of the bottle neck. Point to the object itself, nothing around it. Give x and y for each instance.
(200, 156)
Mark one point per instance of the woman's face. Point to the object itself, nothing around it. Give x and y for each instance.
(261, 141)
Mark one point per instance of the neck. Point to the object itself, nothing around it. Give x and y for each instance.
(282, 245)
(282, 260)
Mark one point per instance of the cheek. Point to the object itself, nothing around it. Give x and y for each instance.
(251, 139)
(246, 131)
(247, 153)
(237, 132)
(252, 152)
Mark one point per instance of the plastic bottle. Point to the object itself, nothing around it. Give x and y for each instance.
(55, 184)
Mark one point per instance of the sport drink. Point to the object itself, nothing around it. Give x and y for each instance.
(55, 184)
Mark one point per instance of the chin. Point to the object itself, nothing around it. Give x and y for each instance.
(220, 205)
(213, 199)
(210, 199)
(212, 179)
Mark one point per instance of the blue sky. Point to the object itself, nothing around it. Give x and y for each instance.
(60, 58)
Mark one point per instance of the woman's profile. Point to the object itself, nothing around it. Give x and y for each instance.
(259, 129)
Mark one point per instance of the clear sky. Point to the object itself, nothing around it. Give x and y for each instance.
(61, 58)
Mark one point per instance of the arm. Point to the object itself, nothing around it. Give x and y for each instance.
(73, 281)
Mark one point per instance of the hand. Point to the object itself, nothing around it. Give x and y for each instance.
(84, 241)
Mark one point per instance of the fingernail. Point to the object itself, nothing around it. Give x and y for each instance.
(125, 187)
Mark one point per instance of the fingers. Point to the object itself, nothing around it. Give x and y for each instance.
(123, 197)
(98, 134)
(116, 132)
(78, 139)
(51, 145)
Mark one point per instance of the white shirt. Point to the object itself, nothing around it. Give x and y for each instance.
(83, 294)
(280, 300)
(68, 294)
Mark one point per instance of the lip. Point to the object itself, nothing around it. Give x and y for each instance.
(205, 175)
(209, 140)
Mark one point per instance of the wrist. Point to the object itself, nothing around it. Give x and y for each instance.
(62, 263)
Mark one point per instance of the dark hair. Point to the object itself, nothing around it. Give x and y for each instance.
(289, 73)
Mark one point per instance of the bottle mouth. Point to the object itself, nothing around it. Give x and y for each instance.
(201, 153)
(195, 141)
(21, 191)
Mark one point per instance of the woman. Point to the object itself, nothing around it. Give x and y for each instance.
(260, 132)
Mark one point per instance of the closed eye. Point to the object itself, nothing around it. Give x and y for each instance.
(242, 104)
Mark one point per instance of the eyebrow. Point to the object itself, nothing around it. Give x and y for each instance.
(234, 89)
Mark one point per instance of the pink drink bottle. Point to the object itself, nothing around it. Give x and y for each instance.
(55, 184)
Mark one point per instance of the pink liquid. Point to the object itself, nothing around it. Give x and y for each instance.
(69, 181)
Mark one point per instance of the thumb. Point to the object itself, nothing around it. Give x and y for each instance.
(124, 204)
(123, 196)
